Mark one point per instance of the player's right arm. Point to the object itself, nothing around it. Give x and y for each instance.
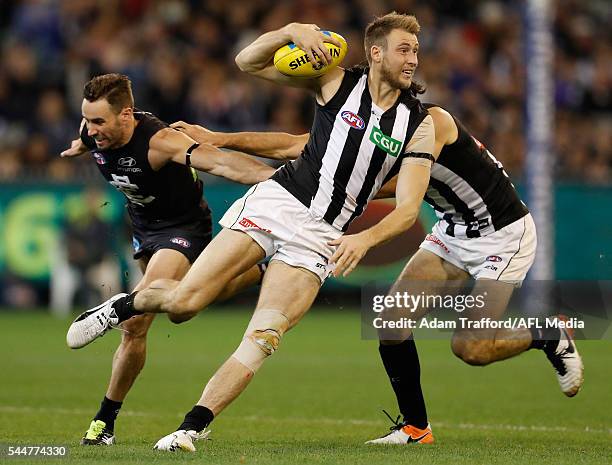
(77, 147)
(258, 58)
(412, 182)
(274, 145)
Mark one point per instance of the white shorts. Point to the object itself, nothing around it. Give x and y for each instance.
(505, 255)
(283, 227)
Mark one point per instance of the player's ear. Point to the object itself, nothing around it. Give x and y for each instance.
(126, 114)
(376, 52)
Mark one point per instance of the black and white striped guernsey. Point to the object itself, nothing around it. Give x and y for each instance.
(469, 189)
(354, 147)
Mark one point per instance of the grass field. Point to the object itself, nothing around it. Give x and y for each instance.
(316, 401)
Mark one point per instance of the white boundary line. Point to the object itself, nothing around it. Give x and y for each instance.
(323, 420)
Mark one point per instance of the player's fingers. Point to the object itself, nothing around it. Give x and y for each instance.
(323, 53)
(350, 267)
(337, 254)
(326, 52)
(311, 55)
(333, 40)
(178, 124)
(335, 241)
(343, 262)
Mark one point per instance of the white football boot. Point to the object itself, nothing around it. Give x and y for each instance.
(404, 433)
(93, 323)
(567, 362)
(181, 440)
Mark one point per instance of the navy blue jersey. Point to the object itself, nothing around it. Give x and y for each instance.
(170, 195)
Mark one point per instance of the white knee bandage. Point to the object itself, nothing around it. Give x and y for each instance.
(261, 338)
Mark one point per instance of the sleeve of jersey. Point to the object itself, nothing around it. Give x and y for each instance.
(419, 150)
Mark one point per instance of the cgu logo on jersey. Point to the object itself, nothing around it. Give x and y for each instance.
(353, 120)
(494, 258)
(388, 144)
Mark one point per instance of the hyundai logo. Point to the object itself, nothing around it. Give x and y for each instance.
(127, 161)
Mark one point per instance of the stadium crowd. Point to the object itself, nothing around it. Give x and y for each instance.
(179, 54)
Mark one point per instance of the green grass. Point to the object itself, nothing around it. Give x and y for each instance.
(315, 401)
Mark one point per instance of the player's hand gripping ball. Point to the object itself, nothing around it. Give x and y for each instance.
(293, 61)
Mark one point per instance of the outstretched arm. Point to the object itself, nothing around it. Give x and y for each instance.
(170, 145)
(274, 145)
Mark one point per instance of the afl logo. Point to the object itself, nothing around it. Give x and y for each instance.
(127, 161)
(180, 241)
(353, 120)
(100, 160)
(494, 258)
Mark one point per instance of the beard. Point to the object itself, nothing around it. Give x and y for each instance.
(388, 75)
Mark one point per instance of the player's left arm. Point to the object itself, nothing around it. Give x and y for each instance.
(412, 182)
(170, 145)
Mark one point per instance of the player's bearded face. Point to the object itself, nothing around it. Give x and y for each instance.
(394, 76)
(399, 59)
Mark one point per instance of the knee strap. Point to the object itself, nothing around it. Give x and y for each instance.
(261, 338)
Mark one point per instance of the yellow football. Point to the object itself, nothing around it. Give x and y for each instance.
(292, 61)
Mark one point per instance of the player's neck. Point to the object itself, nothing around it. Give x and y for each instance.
(383, 94)
(128, 133)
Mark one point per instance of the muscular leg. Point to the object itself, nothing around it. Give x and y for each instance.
(230, 254)
(130, 356)
(420, 275)
(131, 353)
(484, 346)
(399, 355)
(249, 278)
(167, 267)
(285, 289)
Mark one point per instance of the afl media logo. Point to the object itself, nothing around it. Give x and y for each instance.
(353, 120)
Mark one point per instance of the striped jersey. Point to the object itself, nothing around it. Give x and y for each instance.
(470, 190)
(353, 149)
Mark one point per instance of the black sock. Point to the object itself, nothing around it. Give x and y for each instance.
(401, 362)
(109, 409)
(124, 307)
(197, 419)
(544, 338)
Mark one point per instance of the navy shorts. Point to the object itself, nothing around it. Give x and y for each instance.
(189, 236)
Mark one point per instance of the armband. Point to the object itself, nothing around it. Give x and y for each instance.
(188, 154)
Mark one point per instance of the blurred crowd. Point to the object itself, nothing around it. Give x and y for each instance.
(179, 55)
